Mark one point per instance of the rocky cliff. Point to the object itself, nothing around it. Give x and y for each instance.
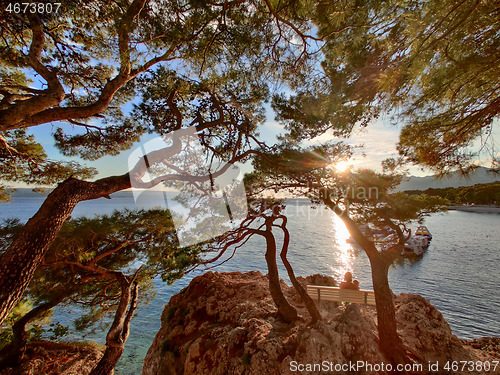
(226, 323)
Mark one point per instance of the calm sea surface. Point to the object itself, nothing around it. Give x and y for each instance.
(458, 274)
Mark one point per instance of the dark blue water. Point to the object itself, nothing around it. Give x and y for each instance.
(458, 274)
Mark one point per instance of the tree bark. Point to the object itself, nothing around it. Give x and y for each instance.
(390, 343)
(27, 250)
(119, 330)
(285, 310)
(107, 364)
(47, 98)
(306, 298)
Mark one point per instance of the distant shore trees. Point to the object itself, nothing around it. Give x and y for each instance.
(487, 194)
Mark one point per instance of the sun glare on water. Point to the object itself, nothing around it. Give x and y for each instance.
(344, 254)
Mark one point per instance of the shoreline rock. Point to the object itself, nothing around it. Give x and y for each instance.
(47, 357)
(226, 323)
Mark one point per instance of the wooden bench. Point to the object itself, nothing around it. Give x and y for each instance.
(335, 294)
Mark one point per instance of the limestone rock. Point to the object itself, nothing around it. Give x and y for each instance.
(226, 323)
(428, 336)
(317, 279)
(46, 357)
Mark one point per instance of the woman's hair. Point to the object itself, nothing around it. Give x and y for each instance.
(348, 277)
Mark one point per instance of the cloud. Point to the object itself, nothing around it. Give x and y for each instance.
(378, 141)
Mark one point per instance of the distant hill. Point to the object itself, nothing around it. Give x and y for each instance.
(479, 176)
(28, 193)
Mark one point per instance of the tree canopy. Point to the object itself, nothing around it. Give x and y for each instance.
(86, 60)
(77, 69)
(432, 65)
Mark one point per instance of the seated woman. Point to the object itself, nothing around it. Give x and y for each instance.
(347, 283)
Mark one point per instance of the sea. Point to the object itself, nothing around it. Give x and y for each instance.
(459, 273)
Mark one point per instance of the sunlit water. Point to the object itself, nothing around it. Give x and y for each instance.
(458, 274)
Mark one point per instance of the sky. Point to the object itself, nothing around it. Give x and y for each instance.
(378, 139)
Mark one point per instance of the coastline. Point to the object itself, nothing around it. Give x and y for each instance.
(478, 208)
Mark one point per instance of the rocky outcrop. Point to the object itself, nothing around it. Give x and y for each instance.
(226, 323)
(46, 357)
(425, 332)
(317, 279)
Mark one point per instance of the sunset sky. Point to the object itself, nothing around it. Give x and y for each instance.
(379, 140)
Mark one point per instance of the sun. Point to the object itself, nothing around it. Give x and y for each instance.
(342, 166)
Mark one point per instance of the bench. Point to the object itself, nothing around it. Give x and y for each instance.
(335, 294)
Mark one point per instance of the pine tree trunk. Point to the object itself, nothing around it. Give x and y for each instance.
(25, 254)
(306, 298)
(285, 310)
(390, 343)
(119, 330)
(108, 362)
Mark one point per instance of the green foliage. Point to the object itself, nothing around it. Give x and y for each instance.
(5, 194)
(93, 144)
(9, 228)
(22, 159)
(87, 252)
(434, 65)
(369, 198)
(216, 55)
(226, 107)
(477, 194)
(290, 165)
(19, 310)
(365, 195)
(40, 327)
